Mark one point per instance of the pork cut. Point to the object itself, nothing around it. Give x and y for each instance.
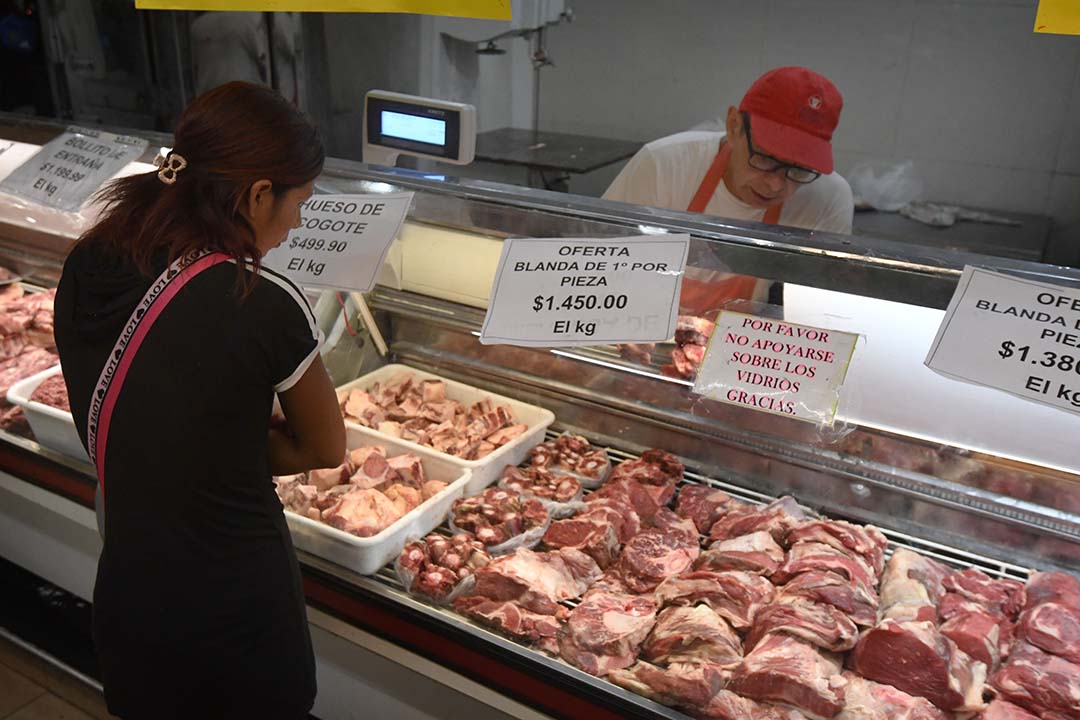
(784, 669)
(778, 518)
(1002, 710)
(652, 556)
(704, 505)
(868, 700)
(735, 596)
(691, 635)
(916, 658)
(853, 599)
(605, 631)
(1043, 684)
(756, 553)
(680, 686)
(816, 623)
(806, 556)
(865, 541)
(513, 620)
(537, 581)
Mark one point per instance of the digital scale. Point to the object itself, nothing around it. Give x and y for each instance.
(396, 124)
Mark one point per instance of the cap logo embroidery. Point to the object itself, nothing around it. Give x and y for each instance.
(814, 101)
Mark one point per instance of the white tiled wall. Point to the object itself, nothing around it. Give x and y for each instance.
(988, 110)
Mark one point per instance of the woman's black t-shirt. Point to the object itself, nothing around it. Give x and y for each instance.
(198, 596)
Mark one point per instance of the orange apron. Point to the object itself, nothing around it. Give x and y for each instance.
(699, 296)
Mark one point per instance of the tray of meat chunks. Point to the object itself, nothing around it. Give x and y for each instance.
(43, 397)
(723, 603)
(479, 430)
(361, 513)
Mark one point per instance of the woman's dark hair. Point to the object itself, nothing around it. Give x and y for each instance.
(231, 137)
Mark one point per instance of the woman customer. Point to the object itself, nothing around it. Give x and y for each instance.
(174, 341)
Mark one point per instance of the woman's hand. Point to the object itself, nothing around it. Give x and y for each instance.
(315, 435)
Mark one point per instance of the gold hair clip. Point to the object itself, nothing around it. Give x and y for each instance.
(170, 167)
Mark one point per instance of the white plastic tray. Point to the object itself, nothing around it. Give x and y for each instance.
(54, 428)
(368, 555)
(486, 470)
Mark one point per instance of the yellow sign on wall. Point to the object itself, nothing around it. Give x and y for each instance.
(485, 9)
(1061, 17)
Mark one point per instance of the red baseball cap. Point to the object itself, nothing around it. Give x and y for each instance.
(794, 112)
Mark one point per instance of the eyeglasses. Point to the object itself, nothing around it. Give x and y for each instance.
(767, 163)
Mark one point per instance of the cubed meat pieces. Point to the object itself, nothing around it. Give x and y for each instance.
(495, 516)
(652, 556)
(918, 659)
(324, 479)
(1052, 627)
(404, 497)
(778, 518)
(735, 596)
(537, 581)
(786, 670)
(362, 409)
(432, 391)
(865, 541)
(504, 435)
(605, 631)
(1043, 684)
(818, 624)
(868, 700)
(681, 686)
(512, 620)
(540, 483)
(704, 505)
(756, 553)
(362, 512)
(431, 488)
(692, 635)
(818, 556)
(857, 601)
(375, 472)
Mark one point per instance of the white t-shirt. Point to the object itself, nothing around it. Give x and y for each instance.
(666, 173)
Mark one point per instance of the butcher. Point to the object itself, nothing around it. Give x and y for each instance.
(772, 164)
(175, 341)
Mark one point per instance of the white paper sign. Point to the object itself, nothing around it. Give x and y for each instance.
(1016, 335)
(776, 366)
(71, 167)
(342, 240)
(558, 292)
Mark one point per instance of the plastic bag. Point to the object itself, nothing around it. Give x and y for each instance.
(885, 186)
(528, 539)
(500, 500)
(556, 508)
(546, 455)
(407, 577)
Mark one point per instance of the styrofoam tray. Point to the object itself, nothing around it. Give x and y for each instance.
(486, 470)
(53, 428)
(367, 555)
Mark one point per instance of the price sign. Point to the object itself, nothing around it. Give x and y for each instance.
(1016, 335)
(776, 366)
(342, 240)
(559, 292)
(70, 168)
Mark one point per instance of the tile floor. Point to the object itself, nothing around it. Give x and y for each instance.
(31, 689)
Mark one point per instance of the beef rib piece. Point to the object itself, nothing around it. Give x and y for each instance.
(1053, 627)
(652, 556)
(806, 556)
(868, 700)
(704, 505)
(978, 634)
(691, 635)
(513, 620)
(856, 601)
(778, 518)
(916, 658)
(1056, 587)
(912, 587)
(593, 532)
(756, 553)
(865, 541)
(681, 686)
(816, 623)
(1001, 710)
(786, 670)
(735, 596)
(1005, 597)
(537, 581)
(605, 631)
(1043, 684)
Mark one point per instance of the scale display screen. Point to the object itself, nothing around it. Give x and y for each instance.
(411, 127)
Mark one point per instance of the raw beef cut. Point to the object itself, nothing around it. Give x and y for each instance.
(704, 505)
(540, 483)
(325, 478)
(868, 700)
(409, 468)
(652, 556)
(373, 471)
(362, 512)
(605, 631)
(435, 566)
(916, 658)
(818, 556)
(1004, 596)
(622, 514)
(681, 686)
(692, 634)
(778, 518)
(52, 391)
(856, 601)
(644, 499)
(978, 634)
(654, 467)
(513, 620)
(1056, 587)
(866, 541)
(1039, 682)
(756, 553)
(669, 523)
(537, 581)
(954, 605)
(495, 516)
(1053, 627)
(1001, 710)
(574, 454)
(594, 532)
(735, 596)
(19, 367)
(912, 586)
(816, 623)
(786, 670)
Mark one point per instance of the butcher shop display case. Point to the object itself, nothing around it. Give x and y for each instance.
(964, 485)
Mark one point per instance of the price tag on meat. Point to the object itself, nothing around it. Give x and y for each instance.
(1012, 334)
(70, 168)
(342, 240)
(558, 292)
(776, 366)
